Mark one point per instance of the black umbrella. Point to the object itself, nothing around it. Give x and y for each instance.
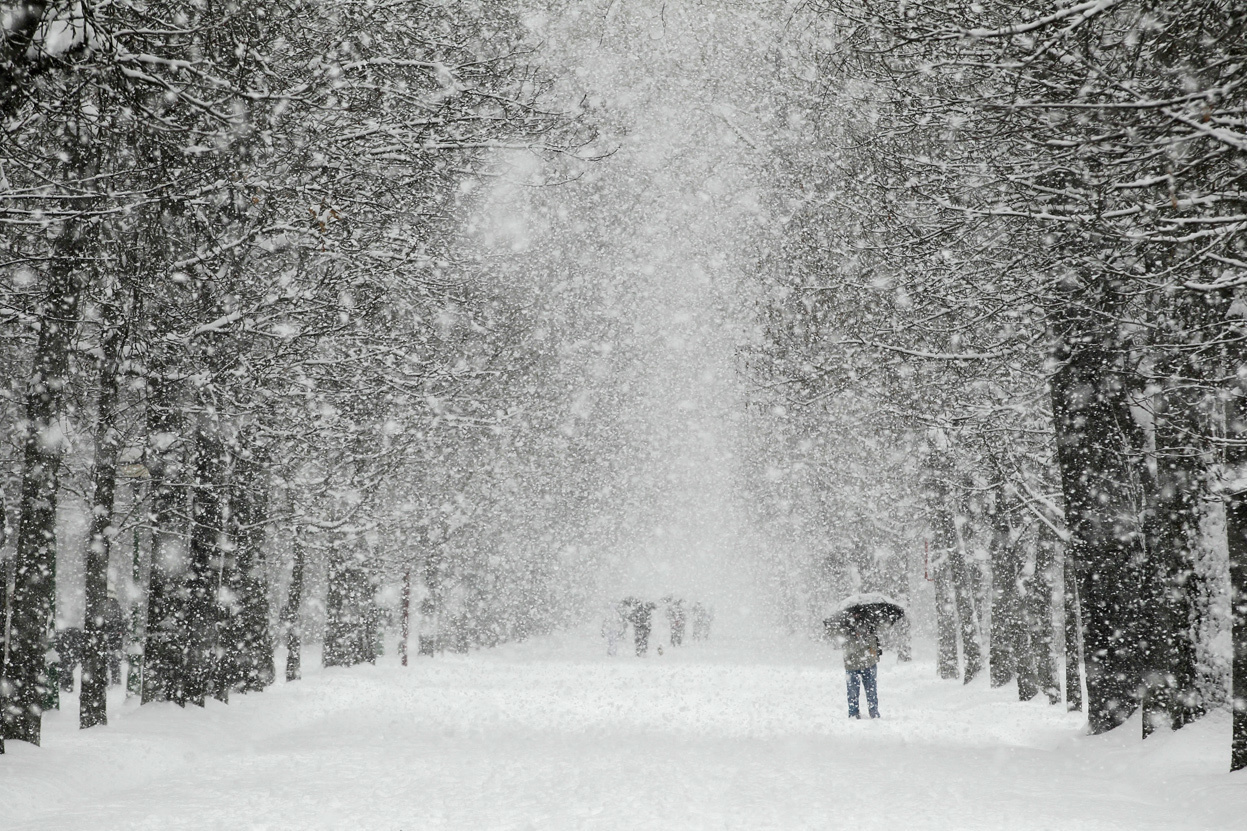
(863, 610)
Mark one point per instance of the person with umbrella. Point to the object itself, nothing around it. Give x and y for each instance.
(854, 626)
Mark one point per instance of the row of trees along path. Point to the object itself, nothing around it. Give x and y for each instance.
(227, 241)
(1010, 244)
(1014, 248)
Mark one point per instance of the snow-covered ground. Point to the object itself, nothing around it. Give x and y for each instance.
(551, 734)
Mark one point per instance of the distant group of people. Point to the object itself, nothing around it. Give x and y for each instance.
(639, 614)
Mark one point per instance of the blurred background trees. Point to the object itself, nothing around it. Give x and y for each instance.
(293, 307)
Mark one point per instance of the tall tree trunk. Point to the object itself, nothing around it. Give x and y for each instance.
(1171, 530)
(1236, 535)
(406, 616)
(1002, 658)
(92, 708)
(24, 681)
(1093, 427)
(1039, 613)
(4, 601)
(294, 601)
(1236, 539)
(946, 622)
(206, 564)
(1028, 684)
(950, 583)
(164, 648)
(967, 617)
(1073, 635)
(348, 610)
(246, 633)
(1010, 629)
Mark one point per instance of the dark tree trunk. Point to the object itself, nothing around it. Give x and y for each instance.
(963, 586)
(207, 564)
(348, 613)
(1094, 433)
(1236, 541)
(1172, 533)
(290, 615)
(1073, 636)
(1236, 535)
(4, 611)
(92, 708)
(406, 602)
(946, 622)
(164, 660)
(1002, 657)
(4, 603)
(25, 677)
(246, 633)
(1039, 613)
(1028, 684)
(954, 610)
(1011, 657)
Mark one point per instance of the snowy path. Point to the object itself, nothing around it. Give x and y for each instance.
(551, 736)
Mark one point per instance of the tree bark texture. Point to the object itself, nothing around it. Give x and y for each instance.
(290, 615)
(1011, 655)
(164, 643)
(24, 679)
(1002, 657)
(955, 614)
(1039, 613)
(1094, 432)
(967, 616)
(245, 634)
(1236, 535)
(206, 564)
(1171, 529)
(946, 622)
(1236, 541)
(348, 612)
(4, 614)
(92, 709)
(406, 603)
(1073, 635)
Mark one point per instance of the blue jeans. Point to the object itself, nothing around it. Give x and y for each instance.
(867, 677)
